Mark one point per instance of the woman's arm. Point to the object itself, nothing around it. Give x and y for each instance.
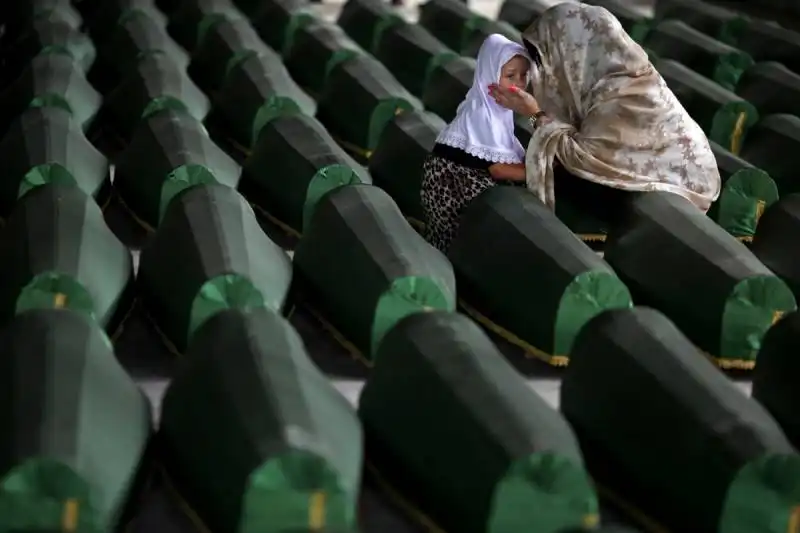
(508, 171)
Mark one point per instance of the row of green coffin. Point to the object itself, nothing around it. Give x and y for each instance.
(255, 438)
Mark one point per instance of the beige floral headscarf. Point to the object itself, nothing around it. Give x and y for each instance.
(615, 122)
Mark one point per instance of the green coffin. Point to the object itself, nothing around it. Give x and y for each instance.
(768, 146)
(662, 428)
(396, 165)
(447, 21)
(450, 422)
(45, 145)
(704, 17)
(75, 427)
(632, 20)
(746, 192)
(294, 163)
(552, 283)
(775, 376)
(410, 52)
(222, 46)
(295, 465)
(366, 20)
(775, 243)
(363, 267)
(18, 17)
(257, 89)
(360, 99)
(772, 88)
(719, 295)
(192, 20)
(724, 116)
(447, 86)
(277, 21)
(674, 39)
(136, 36)
(48, 36)
(766, 41)
(157, 83)
(169, 152)
(480, 29)
(317, 48)
(58, 253)
(51, 80)
(522, 13)
(209, 255)
(104, 21)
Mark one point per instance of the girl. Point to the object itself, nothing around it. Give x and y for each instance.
(479, 146)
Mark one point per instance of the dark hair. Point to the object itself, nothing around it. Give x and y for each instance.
(533, 52)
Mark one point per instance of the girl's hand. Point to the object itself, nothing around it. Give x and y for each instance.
(514, 99)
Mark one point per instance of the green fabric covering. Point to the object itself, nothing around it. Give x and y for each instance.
(58, 252)
(766, 41)
(475, 446)
(223, 292)
(674, 39)
(447, 86)
(274, 107)
(774, 242)
(361, 19)
(180, 179)
(774, 135)
(226, 40)
(103, 19)
(396, 165)
(237, 58)
(169, 152)
(44, 145)
(483, 28)
(162, 103)
(276, 20)
(408, 51)
(572, 284)
(155, 84)
(50, 35)
(361, 97)
(709, 460)
(772, 88)
(723, 115)
(292, 166)
(316, 49)
(774, 383)
(386, 23)
(51, 100)
(721, 297)
(76, 427)
(520, 13)
(257, 90)
(209, 254)
(57, 291)
(207, 24)
(359, 239)
(297, 21)
(191, 21)
(296, 466)
(434, 63)
(744, 197)
(44, 174)
(446, 20)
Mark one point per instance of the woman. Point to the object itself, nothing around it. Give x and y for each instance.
(603, 112)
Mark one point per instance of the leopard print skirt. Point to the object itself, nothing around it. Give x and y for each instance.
(447, 188)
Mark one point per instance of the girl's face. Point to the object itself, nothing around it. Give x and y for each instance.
(515, 73)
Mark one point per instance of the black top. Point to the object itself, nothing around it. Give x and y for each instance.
(460, 157)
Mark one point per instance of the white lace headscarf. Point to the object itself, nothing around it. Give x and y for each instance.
(615, 122)
(483, 128)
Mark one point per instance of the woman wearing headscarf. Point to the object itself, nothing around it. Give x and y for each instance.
(478, 146)
(605, 125)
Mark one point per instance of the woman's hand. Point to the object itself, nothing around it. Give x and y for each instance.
(514, 99)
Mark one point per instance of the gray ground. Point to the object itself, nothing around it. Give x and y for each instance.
(151, 364)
